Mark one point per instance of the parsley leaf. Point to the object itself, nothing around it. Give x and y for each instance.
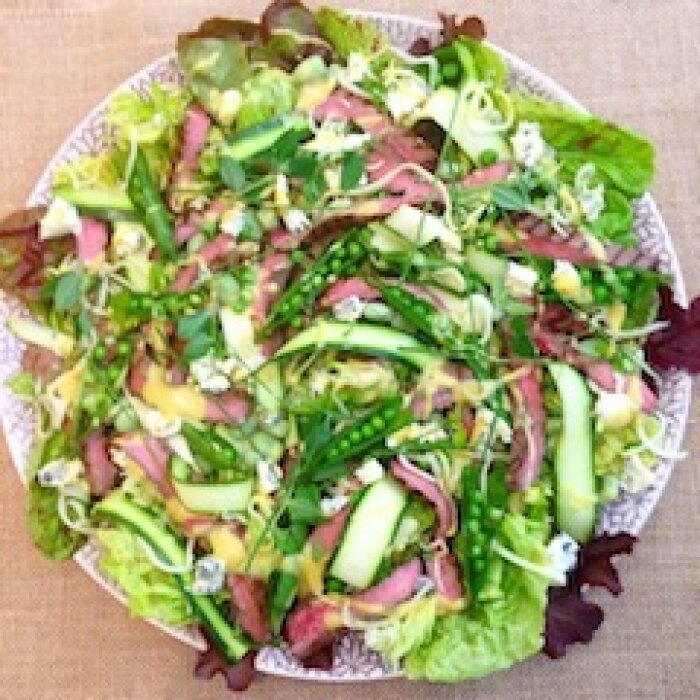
(67, 291)
(351, 169)
(232, 173)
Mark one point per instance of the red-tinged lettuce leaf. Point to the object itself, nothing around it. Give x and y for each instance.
(678, 345)
(472, 27)
(288, 14)
(238, 676)
(24, 257)
(595, 567)
(569, 620)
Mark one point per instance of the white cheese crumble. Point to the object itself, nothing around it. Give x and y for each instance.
(60, 472)
(615, 409)
(61, 219)
(591, 199)
(330, 505)
(563, 552)
(296, 221)
(126, 238)
(232, 221)
(212, 374)
(349, 309)
(209, 575)
(520, 280)
(528, 144)
(269, 476)
(370, 471)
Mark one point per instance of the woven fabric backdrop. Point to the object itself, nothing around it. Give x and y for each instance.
(633, 61)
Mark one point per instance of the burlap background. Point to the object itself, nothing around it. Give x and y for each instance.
(636, 61)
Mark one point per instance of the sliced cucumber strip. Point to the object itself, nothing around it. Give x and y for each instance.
(117, 507)
(575, 493)
(214, 499)
(369, 533)
(363, 338)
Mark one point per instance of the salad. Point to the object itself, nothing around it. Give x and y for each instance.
(338, 337)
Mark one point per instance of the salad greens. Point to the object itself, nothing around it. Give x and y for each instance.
(342, 337)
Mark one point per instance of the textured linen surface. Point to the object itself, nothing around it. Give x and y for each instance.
(634, 61)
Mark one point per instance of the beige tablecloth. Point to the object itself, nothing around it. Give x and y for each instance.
(634, 61)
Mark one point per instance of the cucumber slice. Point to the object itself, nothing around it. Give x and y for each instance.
(575, 493)
(369, 533)
(256, 139)
(364, 338)
(109, 203)
(117, 507)
(214, 499)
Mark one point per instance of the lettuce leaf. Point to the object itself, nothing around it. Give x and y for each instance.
(153, 121)
(49, 534)
(265, 95)
(91, 171)
(480, 62)
(625, 159)
(150, 592)
(494, 635)
(350, 34)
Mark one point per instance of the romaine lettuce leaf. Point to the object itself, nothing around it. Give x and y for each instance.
(350, 34)
(150, 592)
(479, 61)
(624, 158)
(494, 635)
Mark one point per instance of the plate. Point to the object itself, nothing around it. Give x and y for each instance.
(353, 661)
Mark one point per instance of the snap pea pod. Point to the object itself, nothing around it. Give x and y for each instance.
(339, 260)
(149, 205)
(360, 437)
(282, 599)
(480, 516)
(216, 452)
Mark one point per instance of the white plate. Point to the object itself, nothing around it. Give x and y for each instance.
(353, 661)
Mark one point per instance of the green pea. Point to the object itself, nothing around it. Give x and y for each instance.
(195, 299)
(494, 514)
(367, 430)
(331, 278)
(229, 453)
(488, 157)
(123, 348)
(355, 436)
(626, 275)
(475, 511)
(491, 243)
(146, 302)
(389, 413)
(479, 566)
(172, 304)
(355, 250)
(601, 293)
(336, 265)
(586, 275)
(476, 551)
(477, 496)
(298, 257)
(113, 372)
(285, 307)
(99, 351)
(333, 452)
(473, 526)
(296, 322)
(450, 71)
(344, 444)
(378, 423)
(297, 301)
(339, 249)
(318, 281)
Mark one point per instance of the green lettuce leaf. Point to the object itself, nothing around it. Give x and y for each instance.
(265, 95)
(625, 159)
(615, 221)
(494, 635)
(150, 592)
(480, 62)
(404, 630)
(49, 534)
(90, 171)
(152, 121)
(350, 34)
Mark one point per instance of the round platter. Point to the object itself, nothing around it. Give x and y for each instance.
(353, 662)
